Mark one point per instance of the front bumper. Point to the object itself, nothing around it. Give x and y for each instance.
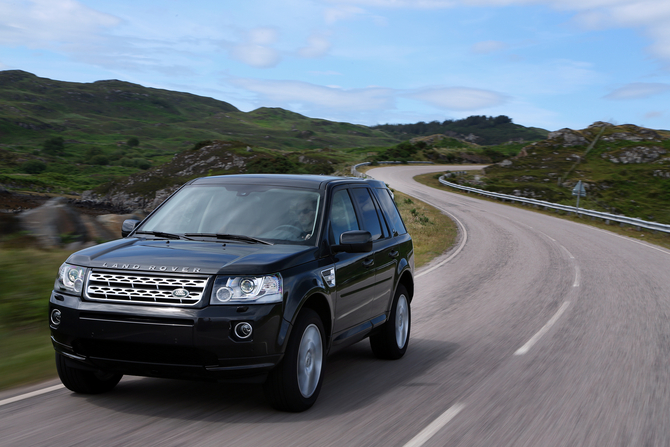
(194, 343)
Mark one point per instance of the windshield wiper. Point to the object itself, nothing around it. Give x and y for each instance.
(232, 237)
(161, 234)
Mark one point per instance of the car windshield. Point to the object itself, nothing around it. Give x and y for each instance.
(256, 211)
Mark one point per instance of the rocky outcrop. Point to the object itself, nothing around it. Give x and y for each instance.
(56, 224)
(149, 189)
(635, 155)
(568, 137)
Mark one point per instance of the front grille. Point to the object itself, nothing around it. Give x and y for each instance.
(145, 289)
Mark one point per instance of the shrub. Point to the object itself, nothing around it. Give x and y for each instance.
(54, 146)
(33, 167)
(201, 144)
(142, 163)
(133, 142)
(100, 160)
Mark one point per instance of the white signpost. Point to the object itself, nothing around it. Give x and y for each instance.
(579, 191)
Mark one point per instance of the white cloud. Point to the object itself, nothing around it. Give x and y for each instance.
(317, 46)
(343, 12)
(653, 114)
(488, 46)
(48, 23)
(255, 49)
(459, 98)
(650, 16)
(311, 96)
(638, 90)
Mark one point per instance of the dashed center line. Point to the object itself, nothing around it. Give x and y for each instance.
(31, 394)
(529, 344)
(435, 426)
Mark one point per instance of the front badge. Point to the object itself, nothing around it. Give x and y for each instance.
(180, 293)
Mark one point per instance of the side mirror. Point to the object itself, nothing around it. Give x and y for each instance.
(356, 241)
(128, 226)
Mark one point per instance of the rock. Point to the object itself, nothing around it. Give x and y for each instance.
(568, 137)
(52, 221)
(635, 155)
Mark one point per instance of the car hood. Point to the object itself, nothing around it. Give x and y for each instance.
(180, 256)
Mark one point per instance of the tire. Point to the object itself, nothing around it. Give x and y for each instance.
(393, 337)
(85, 382)
(295, 383)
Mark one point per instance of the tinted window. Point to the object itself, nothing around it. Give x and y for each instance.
(342, 215)
(369, 212)
(266, 212)
(391, 211)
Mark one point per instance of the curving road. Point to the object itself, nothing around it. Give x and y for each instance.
(533, 331)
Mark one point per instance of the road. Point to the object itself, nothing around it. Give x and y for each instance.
(533, 331)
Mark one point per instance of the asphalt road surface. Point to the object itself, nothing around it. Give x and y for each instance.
(532, 331)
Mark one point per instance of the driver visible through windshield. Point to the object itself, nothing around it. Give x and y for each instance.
(268, 212)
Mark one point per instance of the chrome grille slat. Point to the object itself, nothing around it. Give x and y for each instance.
(144, 288)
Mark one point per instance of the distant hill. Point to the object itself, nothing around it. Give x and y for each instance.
(482, 130)
(67, 137)
(625, 170)
(105, 112)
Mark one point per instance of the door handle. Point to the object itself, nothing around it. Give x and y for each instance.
(394, 253)
(369, 262)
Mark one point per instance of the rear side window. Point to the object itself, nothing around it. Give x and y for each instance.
(342, 215)
(369, 212)
(395, 221)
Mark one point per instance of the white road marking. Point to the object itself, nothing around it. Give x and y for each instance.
(577, 276)
(464, 239)
(525, 348)
(434, 426)
(31, 394)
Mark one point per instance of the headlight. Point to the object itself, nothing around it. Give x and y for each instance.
(70, 278)
(247, 290)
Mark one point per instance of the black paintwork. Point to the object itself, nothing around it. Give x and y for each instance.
(198, 341)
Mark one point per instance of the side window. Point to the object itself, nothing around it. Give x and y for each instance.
(342, 215)
(395, 221)
(368, 211)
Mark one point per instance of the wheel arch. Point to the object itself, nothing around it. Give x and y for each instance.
(319, 304)
(407, 281)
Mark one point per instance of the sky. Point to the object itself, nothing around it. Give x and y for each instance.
(544, 63)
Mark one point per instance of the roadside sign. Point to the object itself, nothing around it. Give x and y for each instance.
(579, 190)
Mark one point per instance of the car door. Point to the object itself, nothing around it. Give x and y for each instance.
(385, 254)
(354, 272)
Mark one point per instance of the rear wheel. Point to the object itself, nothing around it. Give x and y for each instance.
(83, 381)
(393, 337)
(295, 382)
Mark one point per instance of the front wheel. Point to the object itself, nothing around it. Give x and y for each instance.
(295, 382)
(85, 382)
(393, 337)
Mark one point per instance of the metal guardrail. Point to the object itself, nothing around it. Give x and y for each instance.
(607, 217)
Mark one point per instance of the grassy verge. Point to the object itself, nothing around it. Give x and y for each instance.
(657, 238)
(433, 233)
(28, 274)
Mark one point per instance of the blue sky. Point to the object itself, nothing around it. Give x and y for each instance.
(544, 63)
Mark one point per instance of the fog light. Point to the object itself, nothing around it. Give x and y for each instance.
(55, 317)
(243, 330)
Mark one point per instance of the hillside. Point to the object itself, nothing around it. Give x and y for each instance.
(482, 130)
(625, 170)
(67, 137)
(106, 112)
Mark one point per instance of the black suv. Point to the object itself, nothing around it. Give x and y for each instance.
(239, 277)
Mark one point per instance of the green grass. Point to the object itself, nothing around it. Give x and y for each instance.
(28, 274)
